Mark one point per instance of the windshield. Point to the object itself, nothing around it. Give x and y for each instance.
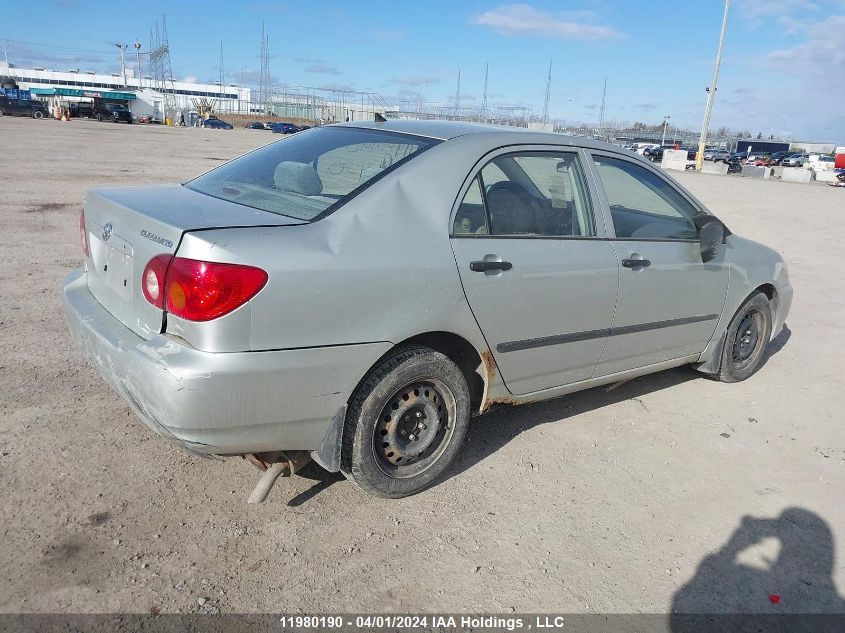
(311, 173)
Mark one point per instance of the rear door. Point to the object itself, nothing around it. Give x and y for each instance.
(537, 273)
(669, 300)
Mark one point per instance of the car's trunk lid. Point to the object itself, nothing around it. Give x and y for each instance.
(128, 226)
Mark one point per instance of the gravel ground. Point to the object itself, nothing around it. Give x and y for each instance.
(633, 499)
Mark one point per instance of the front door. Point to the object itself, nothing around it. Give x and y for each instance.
(537, 273)
(669, 300)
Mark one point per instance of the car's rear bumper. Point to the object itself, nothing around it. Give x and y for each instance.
(224, 403)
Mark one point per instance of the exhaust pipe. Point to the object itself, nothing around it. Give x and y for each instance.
(274, 465)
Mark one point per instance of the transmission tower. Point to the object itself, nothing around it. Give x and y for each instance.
(222, 74)
(601, 110)
(458, 94)
(548, 95)
(161, 70)
(264, 76)
(484, 97)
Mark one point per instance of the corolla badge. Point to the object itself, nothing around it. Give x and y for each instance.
(107, 231)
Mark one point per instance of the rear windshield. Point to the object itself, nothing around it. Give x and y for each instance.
(310, 173)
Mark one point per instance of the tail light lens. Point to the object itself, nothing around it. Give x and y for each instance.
(199, 291)
(83, 234)
(153, 280)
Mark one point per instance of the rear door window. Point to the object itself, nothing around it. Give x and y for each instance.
(540, 194)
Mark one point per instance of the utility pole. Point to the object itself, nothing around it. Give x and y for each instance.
(665, 123)
(711, 92)
(138, 55)
(123, 48)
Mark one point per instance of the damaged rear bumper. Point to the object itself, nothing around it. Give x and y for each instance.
(218, 403)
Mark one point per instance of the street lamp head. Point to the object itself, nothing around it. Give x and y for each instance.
(138, 45)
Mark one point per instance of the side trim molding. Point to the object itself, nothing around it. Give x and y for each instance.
(558, 339)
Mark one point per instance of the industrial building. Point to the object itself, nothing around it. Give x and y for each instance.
(137, 93)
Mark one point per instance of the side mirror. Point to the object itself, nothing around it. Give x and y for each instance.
(711, 236)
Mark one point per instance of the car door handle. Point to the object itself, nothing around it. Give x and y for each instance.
(481, 267)
(634, 263)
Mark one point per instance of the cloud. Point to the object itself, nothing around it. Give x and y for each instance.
(758, 9)
(337, 87)
(820, 60)
(309, 60)
(25, 55)
(646, 106)
(322, 69)
(415, 81)
(523, 19)
(191, 79)
(743, 90)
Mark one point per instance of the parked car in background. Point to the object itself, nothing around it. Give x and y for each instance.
(795, 160)
(822, 163)
(778, 157)
(281, 127)
(114, 112)
(654, 154)
(212, 330)
(22, 107)
(213, 123)
(753, 158)
(717, 155)
(255, 125)
(737, 156)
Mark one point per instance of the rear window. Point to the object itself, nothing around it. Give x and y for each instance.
(311, 173)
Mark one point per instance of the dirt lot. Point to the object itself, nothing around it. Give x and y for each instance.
(623, 500)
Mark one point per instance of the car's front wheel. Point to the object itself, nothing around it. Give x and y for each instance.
(405, 423)
(746, 340)
(38, 114)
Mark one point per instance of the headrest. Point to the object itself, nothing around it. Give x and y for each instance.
(299, 178)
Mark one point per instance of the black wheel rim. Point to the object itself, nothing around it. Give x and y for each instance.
(414, 428)
(747, 341)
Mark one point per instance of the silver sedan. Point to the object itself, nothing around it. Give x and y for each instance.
(356, 292)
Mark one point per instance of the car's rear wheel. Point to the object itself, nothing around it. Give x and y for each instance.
(405, 423)
(746, 340)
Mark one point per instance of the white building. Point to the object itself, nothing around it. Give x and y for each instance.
(135, 92)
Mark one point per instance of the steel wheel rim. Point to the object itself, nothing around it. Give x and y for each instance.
(414, 429)
(748, 340)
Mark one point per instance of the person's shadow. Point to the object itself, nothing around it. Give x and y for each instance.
(797, 580)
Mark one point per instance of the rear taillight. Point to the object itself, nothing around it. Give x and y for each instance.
(199, 291)
(153, 279)
(83, 234)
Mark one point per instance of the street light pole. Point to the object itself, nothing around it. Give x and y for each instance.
(138, 55)
(711, 92)
(123, 48)
(665, 123)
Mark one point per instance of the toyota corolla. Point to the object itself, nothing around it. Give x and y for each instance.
(358, 291)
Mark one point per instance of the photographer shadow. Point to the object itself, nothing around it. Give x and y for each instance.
(797, 580)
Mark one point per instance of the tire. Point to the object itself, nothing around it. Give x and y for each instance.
(746, 340)
(1, 112)
(38, 114)
(99, 117)
(394, 455)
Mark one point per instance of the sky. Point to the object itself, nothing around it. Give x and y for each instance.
(783, 69)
